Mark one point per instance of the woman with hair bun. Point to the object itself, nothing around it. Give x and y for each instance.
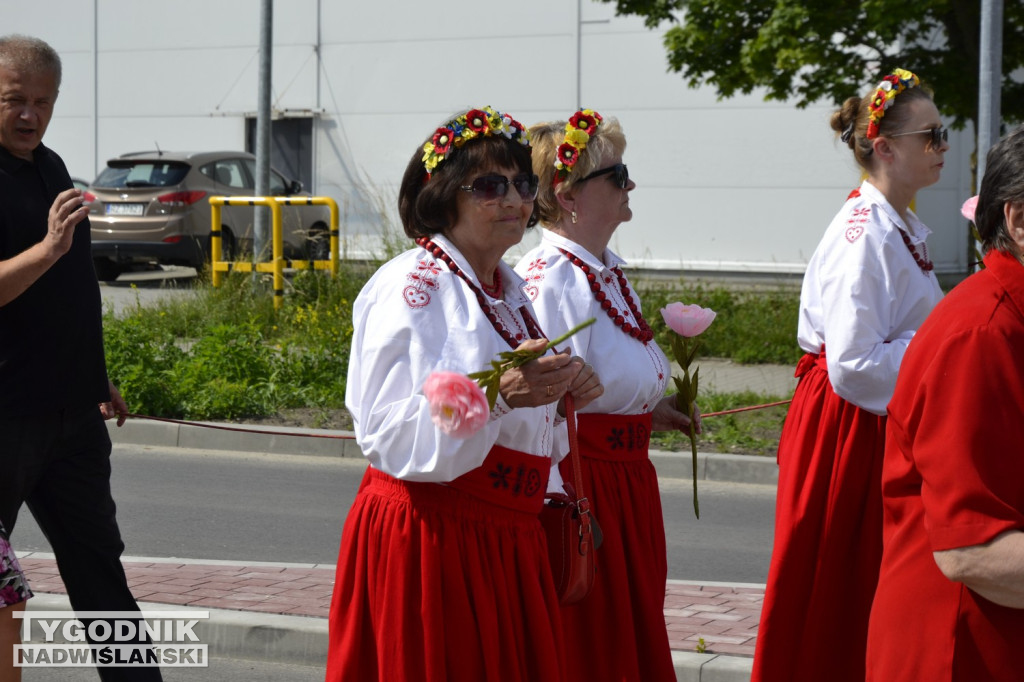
(868, 287)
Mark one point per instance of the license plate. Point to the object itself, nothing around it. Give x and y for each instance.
(125, 209)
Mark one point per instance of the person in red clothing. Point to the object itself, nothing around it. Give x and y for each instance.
(950, 598)
(868, 287)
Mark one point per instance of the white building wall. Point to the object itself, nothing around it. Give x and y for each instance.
(735, 185)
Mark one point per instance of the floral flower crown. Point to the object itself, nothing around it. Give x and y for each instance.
(578, 131)
(892, 85)
(473, 123)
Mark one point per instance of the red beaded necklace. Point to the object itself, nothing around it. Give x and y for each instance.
(923, 263)
(641, 332)
(532, 328)
(494, 291)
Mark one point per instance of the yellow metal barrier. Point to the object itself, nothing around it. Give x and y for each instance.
(278, 262)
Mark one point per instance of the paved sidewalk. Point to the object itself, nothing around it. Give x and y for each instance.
(278, 612)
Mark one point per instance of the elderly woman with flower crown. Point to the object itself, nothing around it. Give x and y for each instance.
(950, 598)
(443, 572)
(868, 287)
(573, 276)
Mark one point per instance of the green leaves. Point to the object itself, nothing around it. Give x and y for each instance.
(809, 50)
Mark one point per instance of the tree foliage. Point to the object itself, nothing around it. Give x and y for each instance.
(811, 50)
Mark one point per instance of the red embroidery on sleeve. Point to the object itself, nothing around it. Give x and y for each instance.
(534, 276)
(417, 294)
(855, 224)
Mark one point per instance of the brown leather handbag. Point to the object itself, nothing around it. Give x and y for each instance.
(572, 532)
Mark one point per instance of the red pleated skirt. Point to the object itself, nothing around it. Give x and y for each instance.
(617, 633)
(828, 537)
(436, 583)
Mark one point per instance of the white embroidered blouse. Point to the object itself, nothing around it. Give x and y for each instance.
(634, 374)
(864, 297)
(415, 316)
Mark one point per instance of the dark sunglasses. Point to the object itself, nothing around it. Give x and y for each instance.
(620, 175)
(939, 135)
(492, 187)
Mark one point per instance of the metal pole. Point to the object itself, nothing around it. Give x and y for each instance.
(263, 129)
(990, 78)
(95, 92)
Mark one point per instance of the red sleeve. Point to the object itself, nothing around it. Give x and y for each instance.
(963, 418)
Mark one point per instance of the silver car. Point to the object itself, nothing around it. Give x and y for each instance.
(154, 207)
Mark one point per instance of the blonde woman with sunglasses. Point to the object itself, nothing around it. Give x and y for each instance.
(617, 632)
(868, 287)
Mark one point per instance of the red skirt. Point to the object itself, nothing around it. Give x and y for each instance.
(438, 584)
(618, 631)
(828, 537)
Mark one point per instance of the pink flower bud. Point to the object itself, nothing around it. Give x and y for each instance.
(970, 208)
(458, 405)
(687, 320)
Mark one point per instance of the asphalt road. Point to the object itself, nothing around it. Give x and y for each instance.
(143, 287)
(286, 508)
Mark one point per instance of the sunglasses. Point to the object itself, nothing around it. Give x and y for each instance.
(939, 135)
(494, 187)
(620, 175)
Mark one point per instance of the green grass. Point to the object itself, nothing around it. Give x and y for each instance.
(225, 354)
(752, 327)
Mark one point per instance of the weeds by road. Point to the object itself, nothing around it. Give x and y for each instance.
(226, 354)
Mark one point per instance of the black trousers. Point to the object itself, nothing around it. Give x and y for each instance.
(58, 463)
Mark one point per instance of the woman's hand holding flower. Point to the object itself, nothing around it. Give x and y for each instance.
(540, 381)
(667, 417)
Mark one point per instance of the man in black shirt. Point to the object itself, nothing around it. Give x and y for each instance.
(54, 391)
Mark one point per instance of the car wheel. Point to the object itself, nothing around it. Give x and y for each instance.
(106, 269)
(318, 243)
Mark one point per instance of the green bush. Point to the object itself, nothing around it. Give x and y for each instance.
(226, 353)
(752, 327)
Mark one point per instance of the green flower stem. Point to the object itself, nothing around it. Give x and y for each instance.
(686, 398)
(563, 337)
(489, 379)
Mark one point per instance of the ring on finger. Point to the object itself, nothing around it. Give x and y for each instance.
(550, 392)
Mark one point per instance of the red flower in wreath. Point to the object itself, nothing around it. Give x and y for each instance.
(568, 154)
(443, 140)
(585, 122)
(872, 132)
(476, 121)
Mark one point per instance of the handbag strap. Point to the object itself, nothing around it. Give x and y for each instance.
(582, 503)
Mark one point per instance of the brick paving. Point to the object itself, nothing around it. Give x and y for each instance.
(724, 615)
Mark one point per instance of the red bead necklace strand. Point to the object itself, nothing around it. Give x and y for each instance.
(923, 263)
(513, 341)
(642, 331)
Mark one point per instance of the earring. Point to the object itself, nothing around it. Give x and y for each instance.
(574, 217)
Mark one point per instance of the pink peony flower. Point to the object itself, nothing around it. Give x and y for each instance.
(970, 208)
(457, 404)
(687, 320)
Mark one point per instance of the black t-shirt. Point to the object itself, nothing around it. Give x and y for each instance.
(51, 336)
